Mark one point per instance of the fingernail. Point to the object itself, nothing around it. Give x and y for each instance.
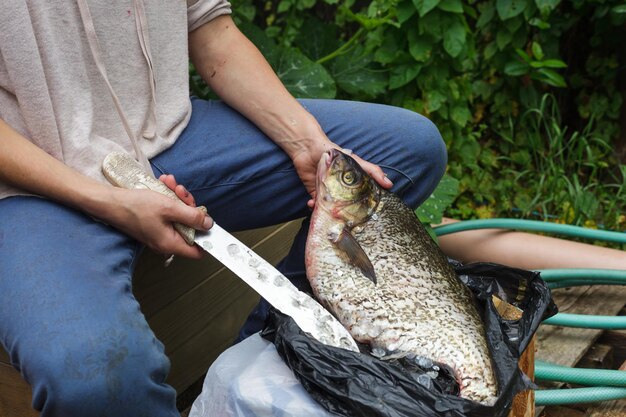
(387, 180)
(208, 222)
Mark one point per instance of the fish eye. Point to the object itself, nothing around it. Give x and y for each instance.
(348, 177)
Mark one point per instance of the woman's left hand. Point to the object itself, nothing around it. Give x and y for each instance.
(306, 163)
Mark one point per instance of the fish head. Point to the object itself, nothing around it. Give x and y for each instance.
(344, 189)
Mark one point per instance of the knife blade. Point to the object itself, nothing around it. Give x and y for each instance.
(123, 171)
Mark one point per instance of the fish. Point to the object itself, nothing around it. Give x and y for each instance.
(372, 264)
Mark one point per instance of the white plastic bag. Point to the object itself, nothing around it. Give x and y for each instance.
(251, 380)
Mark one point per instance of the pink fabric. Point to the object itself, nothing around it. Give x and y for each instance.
(52, 92)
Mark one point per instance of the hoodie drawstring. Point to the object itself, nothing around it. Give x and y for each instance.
(149, 129)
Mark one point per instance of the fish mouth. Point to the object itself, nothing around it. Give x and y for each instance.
(325, 162)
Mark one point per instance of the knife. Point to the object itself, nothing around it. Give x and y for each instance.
(123, 171)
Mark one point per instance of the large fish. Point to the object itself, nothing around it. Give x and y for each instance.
(373, 265)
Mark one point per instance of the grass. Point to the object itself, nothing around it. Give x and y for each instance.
(561, 175)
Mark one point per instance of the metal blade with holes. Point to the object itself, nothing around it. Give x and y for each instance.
(259, 274)
(123, 171)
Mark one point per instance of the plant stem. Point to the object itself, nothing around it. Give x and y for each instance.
(343, 48)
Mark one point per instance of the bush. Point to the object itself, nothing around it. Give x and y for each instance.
(525, 92)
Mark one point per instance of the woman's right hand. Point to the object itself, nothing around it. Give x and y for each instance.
(149, 217)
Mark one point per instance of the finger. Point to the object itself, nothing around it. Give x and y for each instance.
(375, 172)
(311, 204)
(189, 216)
(169, 180)
(185, 195)
(177, 246)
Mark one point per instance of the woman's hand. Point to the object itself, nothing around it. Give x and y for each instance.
(149, 217)
(306, 163)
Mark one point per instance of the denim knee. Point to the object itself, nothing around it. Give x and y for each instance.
(114, 379)
(422, 157)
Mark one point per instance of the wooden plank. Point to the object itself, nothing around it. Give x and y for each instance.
(191, 359)
(616, 339)
(155, 286)
(192, 312)
(558, 411)
(609, 408)
(599, 356)
(566, 346)
(4, 356)
(524, 402)
(202, 323)
(15, 394)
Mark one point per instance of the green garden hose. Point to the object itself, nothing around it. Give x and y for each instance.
(582, 282)
(552, 275)
(578, 395)
(532, 225)
(590, 377)
(561, 278)
(587, 321)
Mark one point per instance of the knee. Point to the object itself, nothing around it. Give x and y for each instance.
(111, 377)
(421, 157)
(425, 148)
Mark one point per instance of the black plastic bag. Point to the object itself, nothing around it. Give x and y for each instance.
(356, 384)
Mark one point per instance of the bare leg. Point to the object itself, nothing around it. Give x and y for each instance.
(527, 250)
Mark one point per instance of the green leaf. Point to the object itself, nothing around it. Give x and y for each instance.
(546, 6)
(425, 6)
(460, 114)
(541, 24)
(453, 6)
(551, 77)
(405, 10)
(247, 11)
(490, 50)
(554, 63)
(516, 68)
(303, 77)
(454, 38)
(523, 55)
(283, 6)
(401, 75)
(620, 9)
(510, 8)
(354, 74)
(487, 11)
(420, 46)
(431, 211)
(503, 38)
(537, 51)
(434, 100)
(316, 39)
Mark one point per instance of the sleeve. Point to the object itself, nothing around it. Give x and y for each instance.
(200, 12)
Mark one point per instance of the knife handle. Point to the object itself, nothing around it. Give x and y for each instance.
(123, 171)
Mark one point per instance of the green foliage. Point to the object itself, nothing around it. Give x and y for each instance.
(480, 69)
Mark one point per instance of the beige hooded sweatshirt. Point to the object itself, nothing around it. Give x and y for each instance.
(53, 92)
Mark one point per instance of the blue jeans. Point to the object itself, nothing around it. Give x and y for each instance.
(68, 317)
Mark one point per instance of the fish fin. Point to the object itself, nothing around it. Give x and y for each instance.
(355, 253)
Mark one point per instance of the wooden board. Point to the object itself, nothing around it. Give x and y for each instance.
(15, 393)
(566, 346)
(191, 313)
(156, 286)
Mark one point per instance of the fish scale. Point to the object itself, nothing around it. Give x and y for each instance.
(417, 306)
